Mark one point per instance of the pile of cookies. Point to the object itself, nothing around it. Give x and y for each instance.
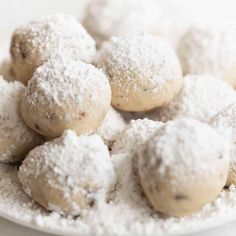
(74, 106)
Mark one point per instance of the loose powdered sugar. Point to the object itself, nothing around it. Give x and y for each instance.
(124, 217)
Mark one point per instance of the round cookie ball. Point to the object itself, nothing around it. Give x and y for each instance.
(209, 50)
(135, 135)
(183, 167)
(124, 159)
(125, 150)
(66, 95)
(112, 125)
(201, 97)
(225, 122)
(16, 138)
(143, 70)
(48, 38)
(106, 18)
(68, 175)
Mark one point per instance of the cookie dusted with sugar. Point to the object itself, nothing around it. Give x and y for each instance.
(47, 38)
(16, 138)
(66, 95)
(135, 135)
(112, 125)
(183, 167)
(225, 122)
(209, 50)
(143, 70)
(124, 154)
(106, 18)
(69, 175)
(201, 97)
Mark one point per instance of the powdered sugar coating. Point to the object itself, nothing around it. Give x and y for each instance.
(48, 38)
(124, 155)
(181, 161)
(184, 142)
(143, 70)
(224, 122)
(64, 95)
(201, 97)
(112, 125)
(124, 159)
(135, 135)
(16, 138)
(78, 169)
(106, 18)
(209, 49)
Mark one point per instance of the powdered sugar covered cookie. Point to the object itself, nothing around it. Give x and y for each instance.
(209, 50)
(48, 38)
(183, 167)
(225, 122)
(135, 135)
(69, 175)
(112, 125)
(201, 97)
(66, 95)
(124, 155)
(143, 70)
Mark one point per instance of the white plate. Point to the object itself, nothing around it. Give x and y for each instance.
(17, 207)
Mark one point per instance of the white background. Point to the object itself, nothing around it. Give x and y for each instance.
(182, 12)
